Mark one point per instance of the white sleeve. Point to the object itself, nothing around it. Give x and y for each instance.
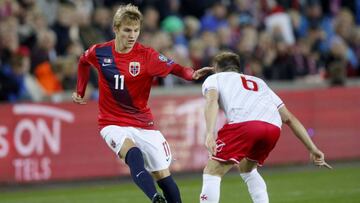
(209, 83)
(276, 99)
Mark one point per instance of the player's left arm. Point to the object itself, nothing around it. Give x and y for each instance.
(161, 66)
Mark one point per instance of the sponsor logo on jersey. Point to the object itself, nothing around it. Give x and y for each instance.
(107, 62)
(169, 62)
(165, 59)
(134, 68)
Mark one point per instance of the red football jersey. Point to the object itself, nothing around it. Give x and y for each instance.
(125, 82)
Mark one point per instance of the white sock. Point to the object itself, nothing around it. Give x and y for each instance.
(210, 192)
(256, 186)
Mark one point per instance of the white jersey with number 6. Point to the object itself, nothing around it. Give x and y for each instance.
(245, 98)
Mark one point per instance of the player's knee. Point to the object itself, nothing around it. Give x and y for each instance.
(245, 170)
(246, 166)
(158, 175)
(214, 170)
(210, 170)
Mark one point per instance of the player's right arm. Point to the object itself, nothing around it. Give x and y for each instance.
(83, 75)
(211, 111)
(210, 92)
(300, 132)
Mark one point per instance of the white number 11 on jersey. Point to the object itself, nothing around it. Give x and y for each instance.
(117, 82)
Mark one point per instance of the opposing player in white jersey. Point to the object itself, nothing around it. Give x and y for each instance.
(255, 114)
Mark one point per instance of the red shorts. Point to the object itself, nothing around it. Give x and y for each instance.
(253, 140)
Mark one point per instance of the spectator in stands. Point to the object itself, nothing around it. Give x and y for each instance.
(65, 71)
(196, 52)
(87, 31)
(30, 23)
(235, 26)
(355, 45)
(9, 42)
(48, 9)
(211, 45)
(47, 79)
(175, 27)
(314, 18)
(44, 50)
(150, 26)
(281, 67)
(151, 20)
(306, 62)
(224, 36)
(343, 58)
(192, 28)
(102, 22)
(246, 46)
(65, 22)
(243, 9)
(16, 82)
(265, 50)
(344, 24)
(214, 18)
(10, 87)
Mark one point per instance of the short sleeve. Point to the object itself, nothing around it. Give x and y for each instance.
(209, 83)
(159, 65)
(276, 99)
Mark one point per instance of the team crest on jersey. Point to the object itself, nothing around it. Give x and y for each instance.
(107, 60)
(134, 68)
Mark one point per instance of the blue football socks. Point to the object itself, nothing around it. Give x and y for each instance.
(170, 189)
(139, 174)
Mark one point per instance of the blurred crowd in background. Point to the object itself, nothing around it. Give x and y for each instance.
(307, 40)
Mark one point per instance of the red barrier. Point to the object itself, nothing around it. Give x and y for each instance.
(45, 142)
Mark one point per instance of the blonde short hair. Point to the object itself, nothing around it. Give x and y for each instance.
(127, 14)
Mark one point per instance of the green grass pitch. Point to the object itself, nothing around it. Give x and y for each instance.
(285, 185)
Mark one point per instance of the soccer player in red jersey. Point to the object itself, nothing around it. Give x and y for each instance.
(255, 114)
(126, 70)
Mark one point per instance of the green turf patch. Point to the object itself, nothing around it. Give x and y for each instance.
(341, 185)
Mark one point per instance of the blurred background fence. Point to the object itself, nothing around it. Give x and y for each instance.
(42, 142)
